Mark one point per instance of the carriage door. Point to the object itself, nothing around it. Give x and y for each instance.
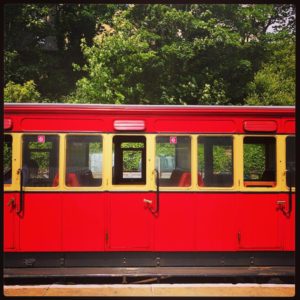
(260, 216)
(129, 226)
(11, 197)
(40, 208)
(175, 221)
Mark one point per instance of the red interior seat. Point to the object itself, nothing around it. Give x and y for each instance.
(185, 179)
(55, 180)
(72, 180)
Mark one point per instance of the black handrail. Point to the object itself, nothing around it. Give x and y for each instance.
(157, 193)
(290, 192)
(289, 174)
(20, 171)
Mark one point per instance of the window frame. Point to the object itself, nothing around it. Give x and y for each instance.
(62, 177)
(131, 182)
(150, 175)
(235, 158)
(278, 163)
(192, 169)
(238, 162)
(41, 188)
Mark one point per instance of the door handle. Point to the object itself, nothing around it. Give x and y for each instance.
(155, 212)
(148, 201)
(285, 207)
(11, 202)
(281, 202)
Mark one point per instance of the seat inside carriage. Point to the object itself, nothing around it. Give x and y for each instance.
(180, 178)
(83, 178)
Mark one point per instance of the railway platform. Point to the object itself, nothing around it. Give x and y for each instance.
(214, 290)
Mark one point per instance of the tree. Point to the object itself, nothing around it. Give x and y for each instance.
(42, 41)
(177, 54)
(159, 54)
(24, 29)
(285, 18)
(274, 83)
(154, 59)
(118, 64)
(14, 92)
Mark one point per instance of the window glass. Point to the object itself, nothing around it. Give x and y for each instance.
(259, 161)
(7, 170)
(40, 160)
(129, 160)
(84, 161)
(173, 160)
(290, 161)
(215, 161)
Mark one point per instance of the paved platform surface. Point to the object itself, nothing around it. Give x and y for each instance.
(257, 290)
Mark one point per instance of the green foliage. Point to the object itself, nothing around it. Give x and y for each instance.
(165, 149)
(40, 156)
(95, 148)
(168, 54)
(131, 160)
(27, 92)
(201, 158)
(254, 161)
(42, 41)
(115, 64)
(153, 53)
(10, 60)
(7, 156)
(222, 159)
(274, 83)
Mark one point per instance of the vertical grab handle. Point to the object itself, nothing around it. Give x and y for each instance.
(157, 192)
(20, 171)
(290, 193)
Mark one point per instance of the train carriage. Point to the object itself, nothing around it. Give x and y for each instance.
(149, 186)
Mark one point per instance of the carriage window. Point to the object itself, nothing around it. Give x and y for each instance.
(215, 156)
(173, 160)
(7, 159)
(129, 160)
(260, 161)
(290, 161)
(40, 160)
(84, 161)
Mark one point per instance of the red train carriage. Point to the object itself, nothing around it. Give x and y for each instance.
(148, 186)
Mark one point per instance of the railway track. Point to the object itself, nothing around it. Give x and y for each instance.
(148, 275)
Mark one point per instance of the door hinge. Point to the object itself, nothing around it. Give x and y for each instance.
(239, 236)
(106, 237)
